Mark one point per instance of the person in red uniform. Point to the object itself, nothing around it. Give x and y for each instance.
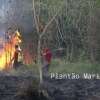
(47, 57)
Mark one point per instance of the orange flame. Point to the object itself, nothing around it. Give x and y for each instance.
(8, 51)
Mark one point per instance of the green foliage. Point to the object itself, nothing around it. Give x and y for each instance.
(73, 28)
(98, 3)
(47, 8)
(78, 67)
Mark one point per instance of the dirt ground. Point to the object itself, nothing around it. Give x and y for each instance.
(22, 88)
(74, 89)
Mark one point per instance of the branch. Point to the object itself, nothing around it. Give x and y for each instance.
(46, 27)
(59, 28)
(35, 19)
(52, 19)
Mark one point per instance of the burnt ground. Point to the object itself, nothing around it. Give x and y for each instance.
(74, 89)
(26, 88)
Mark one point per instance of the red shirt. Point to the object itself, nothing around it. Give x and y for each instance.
(47, 55)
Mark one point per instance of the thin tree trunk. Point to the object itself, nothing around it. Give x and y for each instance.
(39, 60)
(40, 37)
(39, 45)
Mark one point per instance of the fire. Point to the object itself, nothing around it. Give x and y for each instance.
(7, 53)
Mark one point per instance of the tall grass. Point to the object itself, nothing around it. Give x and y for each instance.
(25, 70)
(60, 66)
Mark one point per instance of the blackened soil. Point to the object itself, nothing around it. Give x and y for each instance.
(26, 88)
(74, 89)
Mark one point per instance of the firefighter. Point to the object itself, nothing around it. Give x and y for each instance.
(15, 58)
(47, 57)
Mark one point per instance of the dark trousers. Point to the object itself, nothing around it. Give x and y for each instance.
(46, 69)
(16, 64)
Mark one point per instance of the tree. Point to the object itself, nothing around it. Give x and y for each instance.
(41, 33)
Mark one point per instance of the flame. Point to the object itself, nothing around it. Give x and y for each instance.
(8, 51)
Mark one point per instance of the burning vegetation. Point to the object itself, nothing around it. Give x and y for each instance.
(8, 49)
